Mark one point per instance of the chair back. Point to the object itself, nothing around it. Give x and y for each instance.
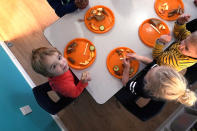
(42, 98)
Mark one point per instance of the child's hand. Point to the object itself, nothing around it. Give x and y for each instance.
(165, 39)
(85, 77)
(126, 63)
(183, 19)
(195, 2)
(81, 4)
(133, 56)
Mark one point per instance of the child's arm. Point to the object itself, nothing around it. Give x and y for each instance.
(126, 62)
(69, 89)
(125, 76)
(143, 59)
(180, 30)
(62, 9)
(85, 77)
(159, 45)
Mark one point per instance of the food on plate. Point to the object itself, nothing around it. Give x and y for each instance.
(92, 48)
(89, 18)
(131, 71)
(93, 26)
(119, 52)
(162, 27)
(89, 59)
(155, 28)
(104, 12)
(71, 47)
(85, 49)
(162, 8)
(172, 12)
(84, 63)
(116, 68)
(102, 28)
(128, 51)
(71, 60)
(178, 11)
(155, 22)
(117, 73)
(122, 50)
(98, 14)
(99, 17)
(92, 54)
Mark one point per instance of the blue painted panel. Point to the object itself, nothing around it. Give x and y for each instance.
(15, 92)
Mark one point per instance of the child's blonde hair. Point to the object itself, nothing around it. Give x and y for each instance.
(37, 60)
(170, 85)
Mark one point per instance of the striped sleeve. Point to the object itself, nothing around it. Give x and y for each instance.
(168, 59)
(181, 32)
(157, 50)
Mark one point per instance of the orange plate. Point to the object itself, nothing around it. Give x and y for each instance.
(108, 22)
(148, 35)
(78, 55)
(172, 4)
(114, 59)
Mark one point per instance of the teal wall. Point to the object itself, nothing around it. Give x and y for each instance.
(15, 93)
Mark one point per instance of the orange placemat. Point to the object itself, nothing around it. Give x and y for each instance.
(79, 50)
(163, 7)
(113, 59)
(148, 34)
(99, 19)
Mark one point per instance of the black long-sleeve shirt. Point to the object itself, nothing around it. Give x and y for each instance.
(133, 91)
(63, 7)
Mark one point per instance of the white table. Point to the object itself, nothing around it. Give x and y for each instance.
(129, 14)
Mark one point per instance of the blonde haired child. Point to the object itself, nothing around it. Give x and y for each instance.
(157, 83)
(168, 84)
(50, 63)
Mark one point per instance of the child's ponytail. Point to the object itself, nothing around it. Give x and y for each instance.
(188, 98)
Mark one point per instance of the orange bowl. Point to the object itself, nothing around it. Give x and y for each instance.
(80, 54)
(148, 34)
(172, 4)
(114, 59)
(94, 25)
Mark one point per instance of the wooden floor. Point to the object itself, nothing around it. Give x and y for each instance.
(22, 22)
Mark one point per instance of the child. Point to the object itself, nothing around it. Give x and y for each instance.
(157, 83)
(63, 7)
(182, 53)
(50, 63)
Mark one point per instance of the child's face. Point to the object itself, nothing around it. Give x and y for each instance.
(188, 48)
(56, 64)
